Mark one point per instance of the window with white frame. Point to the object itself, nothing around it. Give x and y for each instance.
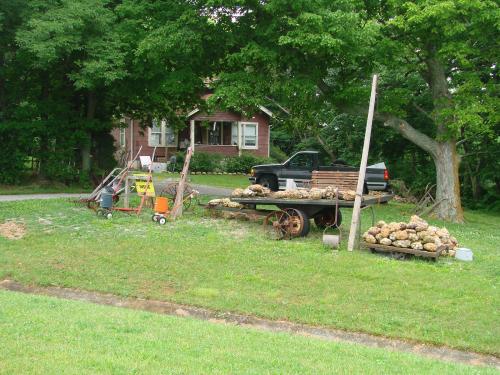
(170, 136)
(122, 137)
(249, 135)
(155, 134)
(234, 134)
(162, 135)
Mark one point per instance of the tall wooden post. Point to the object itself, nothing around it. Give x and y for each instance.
(353, 233)
(191, 134)
(179, 196)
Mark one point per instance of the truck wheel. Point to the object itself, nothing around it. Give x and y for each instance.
(268, 181)
(326, 218)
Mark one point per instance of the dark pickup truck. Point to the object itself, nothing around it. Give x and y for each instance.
(300, 166)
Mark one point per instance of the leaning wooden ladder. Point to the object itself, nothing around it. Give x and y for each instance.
(179, 198)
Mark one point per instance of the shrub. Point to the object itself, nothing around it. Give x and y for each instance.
(243, 163)
(203, 162)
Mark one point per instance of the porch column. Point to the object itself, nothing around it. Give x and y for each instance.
(239, 138)
(191, 134)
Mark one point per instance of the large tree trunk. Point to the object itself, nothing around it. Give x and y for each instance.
(446, 161)
(447, 182)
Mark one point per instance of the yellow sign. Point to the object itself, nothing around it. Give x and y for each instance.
(140, 185)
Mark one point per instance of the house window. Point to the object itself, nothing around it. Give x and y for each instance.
(155, 134)
(170, 136)
(249, 135)
(122, 137)
(162, 135)
(234, 134)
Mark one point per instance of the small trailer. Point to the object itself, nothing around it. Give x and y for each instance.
(293, 217)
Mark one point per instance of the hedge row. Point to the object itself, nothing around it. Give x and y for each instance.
(204, 162)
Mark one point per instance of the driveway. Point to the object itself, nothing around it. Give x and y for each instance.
(203, 189)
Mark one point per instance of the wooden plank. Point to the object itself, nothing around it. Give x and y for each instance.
(355, 222)
(390, 249)
(179, 197)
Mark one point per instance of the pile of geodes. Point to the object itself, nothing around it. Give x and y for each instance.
(416, 234)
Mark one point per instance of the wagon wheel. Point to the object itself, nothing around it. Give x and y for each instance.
(278, 224)
(326, 218)
(299, 222)
(170, 192)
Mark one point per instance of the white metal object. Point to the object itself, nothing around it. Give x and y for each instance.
(145, 161)
(362, 169)
(464, 254)
(290, 184)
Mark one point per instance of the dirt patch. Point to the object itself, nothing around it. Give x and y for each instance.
(12, 230)
(169, 308)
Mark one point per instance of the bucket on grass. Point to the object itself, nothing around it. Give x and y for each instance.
(464, 254)
(161, 205)
(331, 240)
(106, 200)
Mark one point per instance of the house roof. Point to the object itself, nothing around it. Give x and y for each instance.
(209, 94)
(261, 107)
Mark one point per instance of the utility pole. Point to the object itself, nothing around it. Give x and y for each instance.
(356, 211)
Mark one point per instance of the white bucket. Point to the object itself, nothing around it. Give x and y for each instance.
(464, 254)
(290, 184)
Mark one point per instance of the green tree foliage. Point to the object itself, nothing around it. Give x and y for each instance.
(71, 68)
(436, 58)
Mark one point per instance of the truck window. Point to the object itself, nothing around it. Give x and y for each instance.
(301, 161)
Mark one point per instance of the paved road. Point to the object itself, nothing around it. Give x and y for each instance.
(23, 197)
(203, 189)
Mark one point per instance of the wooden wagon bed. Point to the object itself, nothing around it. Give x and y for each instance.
(393, 249)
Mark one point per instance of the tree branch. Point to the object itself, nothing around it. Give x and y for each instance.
(422, 111)
(423, 141)
(325, 147)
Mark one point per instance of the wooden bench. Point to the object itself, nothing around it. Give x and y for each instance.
(343, 180)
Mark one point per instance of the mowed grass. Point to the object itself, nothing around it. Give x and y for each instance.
(232, 266)
(223, 180)
(42, 335)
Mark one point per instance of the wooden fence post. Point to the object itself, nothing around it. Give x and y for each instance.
(179, 196)
(355, 223)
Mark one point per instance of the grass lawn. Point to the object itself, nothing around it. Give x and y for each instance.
(47, 335)
(225, 181)
(232, 266)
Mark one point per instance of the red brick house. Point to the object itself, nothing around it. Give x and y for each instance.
(226, 133)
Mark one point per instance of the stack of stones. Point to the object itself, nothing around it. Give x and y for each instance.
(416, 234)
(328, 192)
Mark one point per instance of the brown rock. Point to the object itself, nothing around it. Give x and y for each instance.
(417, 245)
(385, 241)
(370, 239)
(430, 246)
(413, 237)
(401, 235)
(402, 243)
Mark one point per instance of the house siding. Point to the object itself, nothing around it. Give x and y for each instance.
(140, 137)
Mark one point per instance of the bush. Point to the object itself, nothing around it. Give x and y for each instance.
(203, 162)
(243, 163)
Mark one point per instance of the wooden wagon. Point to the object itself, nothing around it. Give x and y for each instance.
(293, 217)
